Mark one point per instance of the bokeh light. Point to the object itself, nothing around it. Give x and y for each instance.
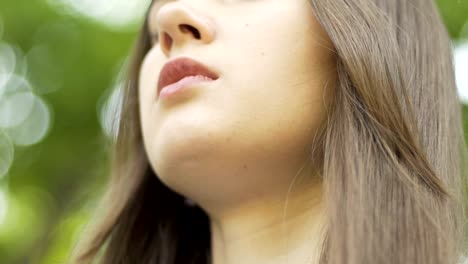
(26, 205)
(44, 73)
(24, 115)
(36, 125)
(3, 205)
(115, 14)
(7, 64)
(6, 153)
(21, 65)
(16, 102)
(56, 44)
(461, 70)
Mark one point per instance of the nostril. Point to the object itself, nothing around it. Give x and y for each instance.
(188, 28)
(167, 40)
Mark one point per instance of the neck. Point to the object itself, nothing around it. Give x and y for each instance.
(285, 228)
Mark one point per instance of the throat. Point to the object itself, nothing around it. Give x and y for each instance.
(270, 231)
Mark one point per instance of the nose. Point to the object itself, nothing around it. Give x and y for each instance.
(178, 24)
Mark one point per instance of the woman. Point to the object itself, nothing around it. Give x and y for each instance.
(286, 131)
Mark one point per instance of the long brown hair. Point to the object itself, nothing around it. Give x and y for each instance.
(393, 153)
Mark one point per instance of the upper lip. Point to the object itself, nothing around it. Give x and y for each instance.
(179, 68)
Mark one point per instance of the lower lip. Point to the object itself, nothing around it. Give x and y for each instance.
(182, 84)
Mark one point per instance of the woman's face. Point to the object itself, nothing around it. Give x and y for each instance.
(246, 134)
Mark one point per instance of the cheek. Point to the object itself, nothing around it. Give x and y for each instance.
(148, 77)
(278, 86)
(147, 90)
(151, 65)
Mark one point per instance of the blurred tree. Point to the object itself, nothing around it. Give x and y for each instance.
(455, 13)
(48, 182)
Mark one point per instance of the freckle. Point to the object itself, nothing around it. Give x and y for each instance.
(263, 53)
(246, 25)
(245, 166)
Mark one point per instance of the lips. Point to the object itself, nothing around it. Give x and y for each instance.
(177, 69)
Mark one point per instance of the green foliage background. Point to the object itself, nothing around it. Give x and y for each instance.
(53, 185)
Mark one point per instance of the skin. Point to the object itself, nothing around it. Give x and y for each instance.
(240, 147)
